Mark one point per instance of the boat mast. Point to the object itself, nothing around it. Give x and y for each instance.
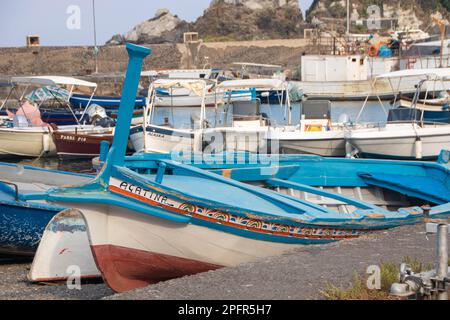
(348, 18)
(116, 155)
(442, 28)
(95, 37)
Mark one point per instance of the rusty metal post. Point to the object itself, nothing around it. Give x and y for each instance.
(442, 267)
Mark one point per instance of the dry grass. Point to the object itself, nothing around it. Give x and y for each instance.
(358, 291)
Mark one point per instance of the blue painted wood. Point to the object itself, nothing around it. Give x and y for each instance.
(22, 224)
(120, 142)
(312, 190)
(80, 100)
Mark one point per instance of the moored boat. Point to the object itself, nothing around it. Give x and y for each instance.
(25, 134)
(22, 223)
(167, 219)
(83, 101)
(74, 144)
(316, 133)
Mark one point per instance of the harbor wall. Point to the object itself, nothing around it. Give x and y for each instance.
(112, 60)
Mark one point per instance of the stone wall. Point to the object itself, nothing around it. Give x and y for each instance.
(112, 60)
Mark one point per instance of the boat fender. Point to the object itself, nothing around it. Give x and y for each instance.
(418, 148)
(198, 141)
(350, 151)
(46, 142)
(372, 51)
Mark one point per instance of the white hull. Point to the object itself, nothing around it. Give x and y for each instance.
(64, 250)
(401, 141)
(35, 141)
(358, 90)
(428, 105)
(326, 143)
(187, 100)
(26, 142)
(149, 249)
(166, 140)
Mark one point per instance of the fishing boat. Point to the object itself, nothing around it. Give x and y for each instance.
(242, 126)
(167, 219)
(81, 144)
(22, 222)
(26, 134)
(80, 101)
(316, 134)
(405, 136)
(431, 94)
(52, 99)
(435, 109)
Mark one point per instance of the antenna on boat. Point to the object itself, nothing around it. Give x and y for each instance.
(95, 37)
(116, 156)
(348, 18)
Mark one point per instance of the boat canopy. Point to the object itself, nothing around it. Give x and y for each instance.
(250, 64)
(267, 84)
(53, 81)
(149, 73)
(6, 84)
(196, 86)
(434, 73)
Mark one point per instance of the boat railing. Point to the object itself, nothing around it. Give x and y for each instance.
(16, 188)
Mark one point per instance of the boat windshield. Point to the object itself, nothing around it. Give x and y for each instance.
(405, 115)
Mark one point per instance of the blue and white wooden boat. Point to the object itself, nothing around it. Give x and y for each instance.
(166, 219)
(434, 110)
(82, 101)
(22, 222)
(431, 84)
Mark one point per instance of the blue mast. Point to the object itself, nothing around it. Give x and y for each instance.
(116, 156)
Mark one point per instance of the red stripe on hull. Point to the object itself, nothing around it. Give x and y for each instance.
(125, 269)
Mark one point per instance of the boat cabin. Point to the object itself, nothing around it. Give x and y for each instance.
(315, 116)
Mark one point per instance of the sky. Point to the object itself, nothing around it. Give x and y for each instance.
(70, 22)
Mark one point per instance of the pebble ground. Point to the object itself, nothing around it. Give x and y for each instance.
(299, 274)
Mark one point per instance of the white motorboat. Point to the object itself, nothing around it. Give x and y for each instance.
(245, 132)
(316, 134)
(412, 139)
(26, 135)
(412, 131)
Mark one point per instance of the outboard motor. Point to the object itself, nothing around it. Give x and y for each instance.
(97, 116)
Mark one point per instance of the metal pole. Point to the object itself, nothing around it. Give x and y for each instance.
(443, 29)
(348, 17)
(95, 37)
(442, 268)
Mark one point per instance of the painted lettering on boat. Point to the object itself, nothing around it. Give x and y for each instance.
(73, 138)
(145, 193)
(249, 222)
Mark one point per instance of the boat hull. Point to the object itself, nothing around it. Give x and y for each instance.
(167, 140)
(160, 139)
(21, 228)
(81, 101)
(325, 144)
(149, 249)
(73, 145)
(187, 100)
(26, 142)
(401, 145)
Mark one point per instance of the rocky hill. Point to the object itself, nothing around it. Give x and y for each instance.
(402, 14)
(164, 27)
(223, 20)
(227, 20)
(250, 20)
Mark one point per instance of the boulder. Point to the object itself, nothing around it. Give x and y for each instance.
(164, 27)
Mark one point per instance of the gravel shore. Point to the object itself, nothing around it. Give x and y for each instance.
(299, 274)
(15, 286)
